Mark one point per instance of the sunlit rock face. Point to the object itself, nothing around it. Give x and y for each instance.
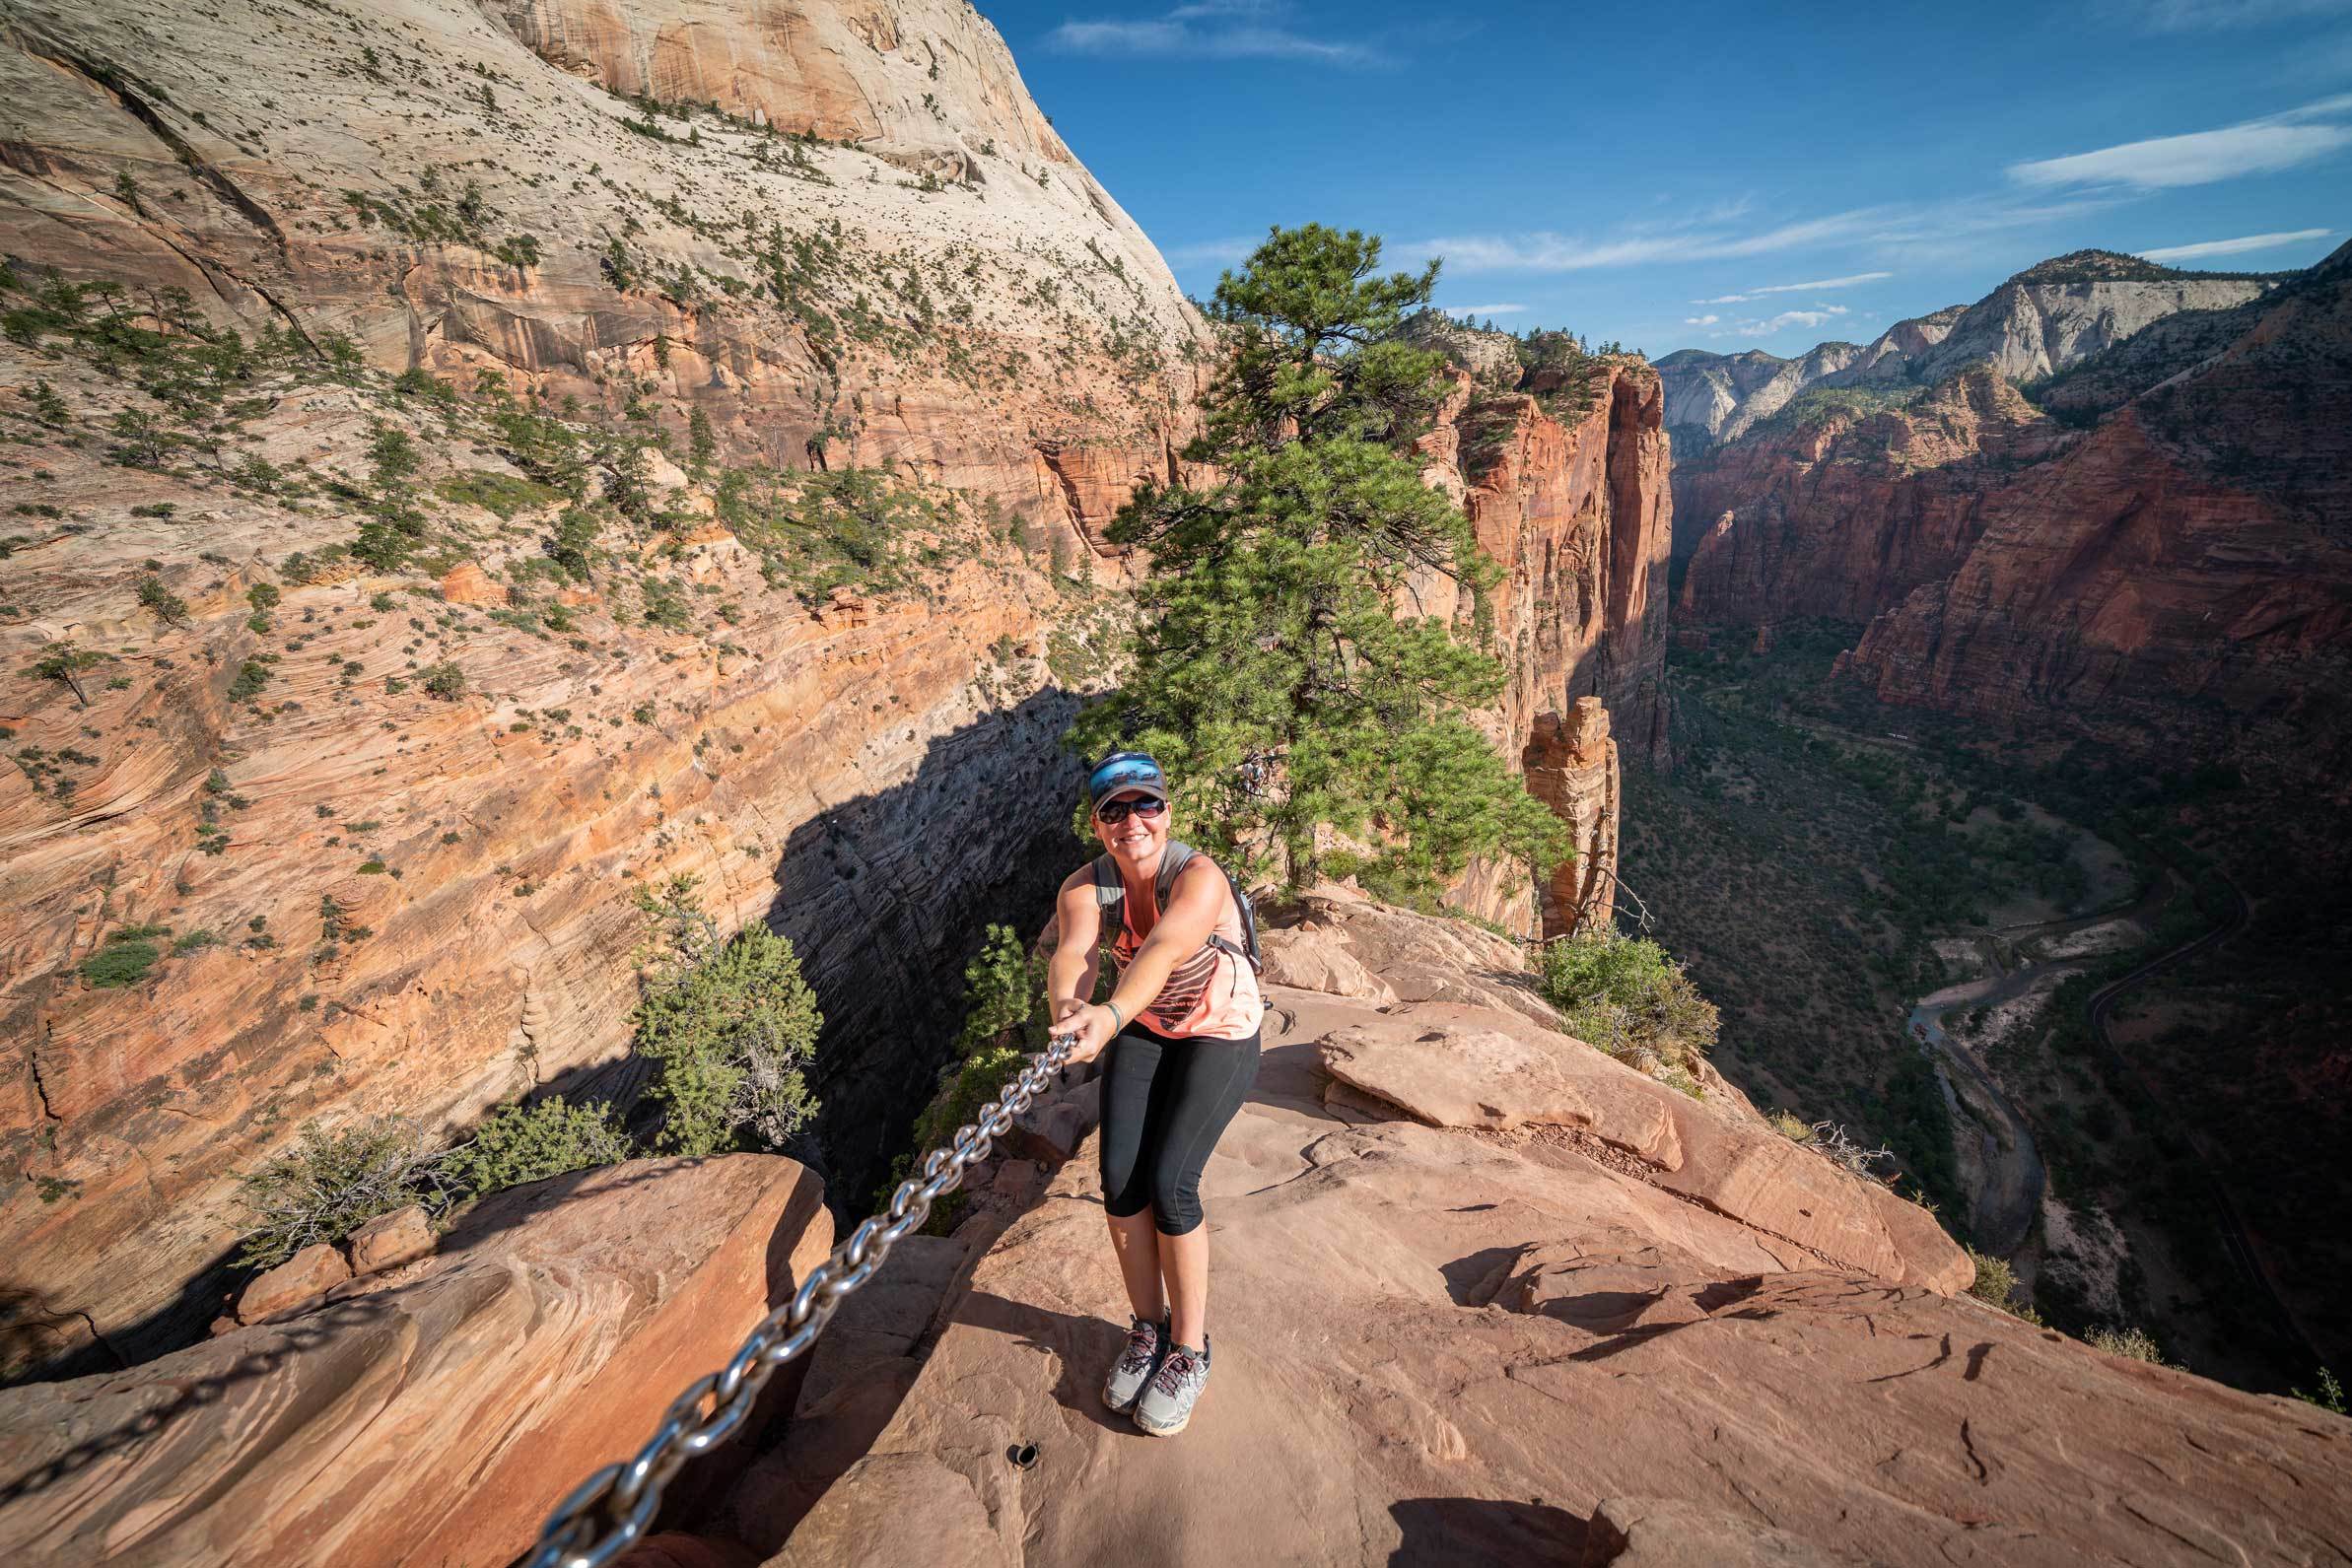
(423, 901)
(1565, 483)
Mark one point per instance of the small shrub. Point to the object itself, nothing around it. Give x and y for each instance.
(1995, 1280)
(2134, 1344)
(169, 606)
(124, 961)
(443, 680)
(1625, 996)
(329, 1183)
(516, 1144)
(2331, 1396)
(1792, 1126)
(730, 1027)
(251, 676)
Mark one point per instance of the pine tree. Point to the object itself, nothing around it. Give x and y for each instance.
(1285, 676)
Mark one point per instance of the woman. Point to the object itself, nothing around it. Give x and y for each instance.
(1182, 1031)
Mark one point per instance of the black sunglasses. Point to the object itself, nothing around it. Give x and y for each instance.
(1114, 812)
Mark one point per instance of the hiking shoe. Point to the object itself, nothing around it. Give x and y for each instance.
(1167, 1403)
(1135, 1364)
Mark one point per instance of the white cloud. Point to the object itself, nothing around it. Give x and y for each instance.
(2202, 16)
(2234, 248)
(2253, 147)
(1795, 288)
(1708, 319)
(1550, 252)
(1482, 309)
(1212, 252)
(1789, 318)
(1218, 30)
(1823, 283)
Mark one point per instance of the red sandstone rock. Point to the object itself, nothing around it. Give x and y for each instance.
(1465, 1347)
(390, 1240)
(897, 1508)
(309, 1273)
(470, 584)
(434, 1420)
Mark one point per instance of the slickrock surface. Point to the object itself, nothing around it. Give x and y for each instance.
(956, 295)
(432, 1415)
(1457, 1347)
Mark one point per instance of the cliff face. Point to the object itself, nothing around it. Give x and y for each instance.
(1564, 479)
(2184, 567)
(395, 820)
(2038, 323)
(1845, 514)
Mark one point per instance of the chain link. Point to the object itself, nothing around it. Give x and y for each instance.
(610, 1510)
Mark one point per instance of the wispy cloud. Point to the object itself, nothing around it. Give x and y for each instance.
(1218, 30)
(1765, 327)
(2207, 16)
(1551, 252)
(1896, 230)
(2252, 147)
(1212, 252)
(1482, 309)
(2239, 247)
(1817, 286)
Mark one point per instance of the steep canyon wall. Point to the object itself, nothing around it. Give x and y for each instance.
(1565, 482)
(419, 900)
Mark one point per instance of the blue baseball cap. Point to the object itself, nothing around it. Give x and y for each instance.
(1123, 772)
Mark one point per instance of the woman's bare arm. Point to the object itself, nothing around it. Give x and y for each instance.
(1070, 976)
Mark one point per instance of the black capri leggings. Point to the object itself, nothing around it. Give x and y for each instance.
(1164, 1105)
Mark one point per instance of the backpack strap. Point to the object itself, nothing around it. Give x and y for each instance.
(1109, 890)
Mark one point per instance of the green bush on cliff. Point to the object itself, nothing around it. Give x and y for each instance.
(517, 1143)
(730, 1025)
(1277, 674)
(331, 1183)
(1007, 1019)
(1624, 996)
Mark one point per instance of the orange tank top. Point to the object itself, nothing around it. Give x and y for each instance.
(1211, 994)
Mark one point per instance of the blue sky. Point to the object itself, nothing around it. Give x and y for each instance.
(1703, 175)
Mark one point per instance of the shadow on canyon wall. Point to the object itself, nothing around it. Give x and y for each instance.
(885, 897)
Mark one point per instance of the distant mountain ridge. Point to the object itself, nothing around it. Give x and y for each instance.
(2041, 321)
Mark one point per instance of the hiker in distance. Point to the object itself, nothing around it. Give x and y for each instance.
(1182, 1034)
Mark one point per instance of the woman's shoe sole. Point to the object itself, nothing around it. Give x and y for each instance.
(1162, 1431)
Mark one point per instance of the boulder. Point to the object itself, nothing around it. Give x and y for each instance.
(309, 1273)
(429, 1417)
(390, 1240)
(1316, 957)
(1052, 1128)
(1452, 1065)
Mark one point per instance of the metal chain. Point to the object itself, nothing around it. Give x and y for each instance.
(611, 1509)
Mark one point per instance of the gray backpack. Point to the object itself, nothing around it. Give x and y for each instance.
(1110, 892)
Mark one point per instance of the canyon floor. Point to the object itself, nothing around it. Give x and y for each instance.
(1892, 872)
